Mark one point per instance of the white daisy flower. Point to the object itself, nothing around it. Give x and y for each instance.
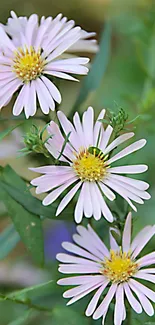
(117, 270)
(17, 25)
(89, 167)
(25, 64)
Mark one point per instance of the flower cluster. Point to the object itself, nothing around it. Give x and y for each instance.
(33, 54)
(90, 167)
(118, 270)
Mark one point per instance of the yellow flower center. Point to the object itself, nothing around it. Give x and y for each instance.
(119, 267)
(28, 64)
(90, 164)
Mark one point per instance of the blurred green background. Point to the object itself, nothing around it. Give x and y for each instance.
(128, 82)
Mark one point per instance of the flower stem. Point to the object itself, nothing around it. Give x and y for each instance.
(128, 318)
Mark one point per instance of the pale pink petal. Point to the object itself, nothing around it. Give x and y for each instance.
(95, 204)
(97, 129)
(145, 276)
(20, 101)
(106, 302)
(131, 181)
(79, 129)
(147, 306)
(33, 99)
(67, 198)
(146, 291)
(6, 41)
(65, 45)
(132, 189)
(148, 259)
(121, 191)
(130, 149)
(60, 75)
(77, 280)
(41, 98)
(104, 208)
(99, 243)
(113, 243)
(126, 240)
(52, 89)
(131, 299)
(67, 258)
(138, 237)
(94, 301)
(87, 203)
(72, 248)
(132, 169)
(47, 96)
(83, 294)
(51, 197)
(151, 270)
(56, 170)
(79, 208)
(88, 245)
(88, 124)
(75, 69)
(122, 138)
(68, 127)
(106, 137)
(82, 288)
(142, 243)
(119, 305)
(80, 269)
(107, 192)
(9, 90)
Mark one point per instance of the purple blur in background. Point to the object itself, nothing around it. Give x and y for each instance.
(57, 232)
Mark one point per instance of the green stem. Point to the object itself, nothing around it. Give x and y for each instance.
(128, 319)
(25, 303)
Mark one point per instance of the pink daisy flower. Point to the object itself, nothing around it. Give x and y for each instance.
(117, 270)
(38, 52)
(89, 167)
(17, 25)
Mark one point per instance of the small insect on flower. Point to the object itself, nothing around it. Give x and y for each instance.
(89, 167)
(117, 270)
(32, 55)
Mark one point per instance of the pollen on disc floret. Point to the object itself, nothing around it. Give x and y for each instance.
(28, 64)
(90, 164)
(119, 267)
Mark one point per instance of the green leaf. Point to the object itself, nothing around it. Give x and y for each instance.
(98, 68)
(17, 189)
(8, 240)
(6, 132)
(33, 291)
(23, 319)
(28, 296)
(28, 225)
(64, 145)
(66, 316)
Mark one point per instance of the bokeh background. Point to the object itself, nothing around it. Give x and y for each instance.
(128, 82)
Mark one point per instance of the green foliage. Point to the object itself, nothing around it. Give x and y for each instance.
(23, 319)
(61, 315)
(6, 132)
(27, 224)
(34, 142)
(98, 68)
(8, 240)
(17, 189)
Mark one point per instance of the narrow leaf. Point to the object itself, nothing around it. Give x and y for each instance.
(23, 319)
(8, 240)
(6, 132)
(28, 225)
(98, 68)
